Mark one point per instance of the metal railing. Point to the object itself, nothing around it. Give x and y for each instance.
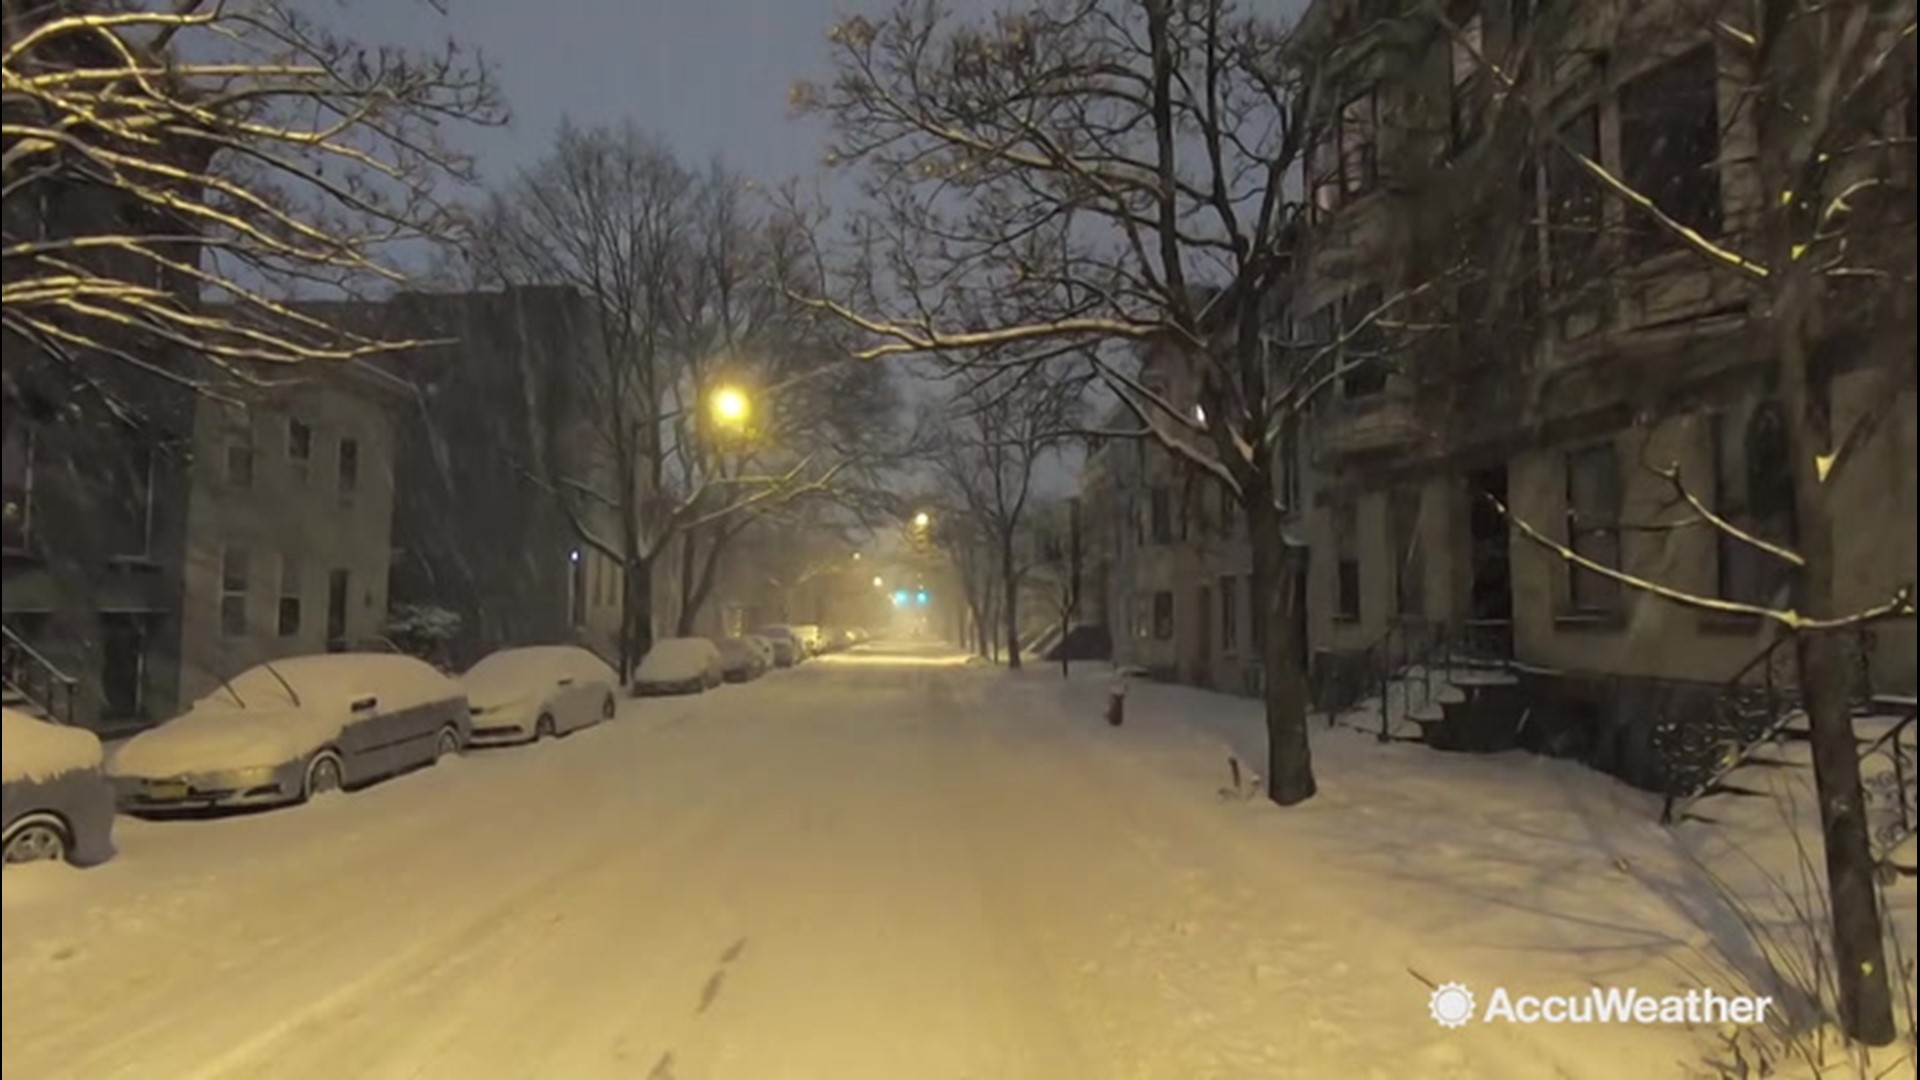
(1435, 652)
(36, 678)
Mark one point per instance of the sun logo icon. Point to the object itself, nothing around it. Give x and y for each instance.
(1451, 1005)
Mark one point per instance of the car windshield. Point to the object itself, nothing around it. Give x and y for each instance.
(1322, 539)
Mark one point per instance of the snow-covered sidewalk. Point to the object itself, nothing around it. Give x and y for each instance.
(881, 865)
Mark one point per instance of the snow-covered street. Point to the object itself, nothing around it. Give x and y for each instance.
(885, 864)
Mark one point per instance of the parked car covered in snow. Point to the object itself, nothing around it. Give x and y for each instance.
(55, 804)
(680, 666)
(787, 649)
(519, 695)
(741, 660)
(284, 731)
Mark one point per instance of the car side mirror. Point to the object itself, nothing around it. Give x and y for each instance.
(365, 704)
(566, 680)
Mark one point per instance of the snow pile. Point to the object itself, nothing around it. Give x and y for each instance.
(37, 750)
(678, 660)
(276, 712)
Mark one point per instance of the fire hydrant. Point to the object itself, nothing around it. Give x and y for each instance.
(1117, 701)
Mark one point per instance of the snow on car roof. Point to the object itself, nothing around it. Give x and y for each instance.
(328, 679)
(676, 660)
(530, 663)
(32, 749)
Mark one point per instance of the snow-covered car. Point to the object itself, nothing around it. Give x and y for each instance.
(286, 730)
(519, 695)
(740, 660)
(787, 649)
(680, 666)
(55, 804)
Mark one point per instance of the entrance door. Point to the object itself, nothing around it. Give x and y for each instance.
(337, 583)
(123, 666)
(1490, 601)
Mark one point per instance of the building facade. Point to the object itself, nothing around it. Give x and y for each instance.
(1582, 360)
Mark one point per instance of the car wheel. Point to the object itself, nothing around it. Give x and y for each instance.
(607, 707)
(323, 775)
(447, 742)
(39, 839)
(543, 727)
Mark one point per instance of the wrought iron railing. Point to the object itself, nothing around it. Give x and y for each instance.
(35, 678)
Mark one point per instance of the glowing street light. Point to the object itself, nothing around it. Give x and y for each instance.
(922, 519)
(731, 407)
(879, 582)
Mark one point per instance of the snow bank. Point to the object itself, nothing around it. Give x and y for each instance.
(37, 750)
(676, 660)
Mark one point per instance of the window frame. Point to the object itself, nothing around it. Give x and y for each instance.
(1606, 597)
(234, 616)
(292, 597)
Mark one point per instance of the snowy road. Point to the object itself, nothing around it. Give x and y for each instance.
(888, 866)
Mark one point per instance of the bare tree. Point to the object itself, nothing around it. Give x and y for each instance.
(231, 152)
(711, 396)
(1097, 177)
(1000, 429)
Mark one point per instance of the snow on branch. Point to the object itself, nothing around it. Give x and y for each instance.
(244, 152)
(1900, 605)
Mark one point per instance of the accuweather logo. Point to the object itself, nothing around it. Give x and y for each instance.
(1452, 1005)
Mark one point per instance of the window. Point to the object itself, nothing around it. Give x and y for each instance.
(128, 499)
(1469, 82)
(1364, 344)
(290, 592)
(240, 456)
(1346, 541)
(1593, 519)
(349, 468)
(123, 666)
(1162, 516)
(1323, 171)
(1142, 616)
(1229, 615)
(18, 492)
(1163, 616)
(1670, 148)
(1359, 154)
(299, 452)
(1753, 490)
(1409, 555)
(1573, 201)
(233, 592)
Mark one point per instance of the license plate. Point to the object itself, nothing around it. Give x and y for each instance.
(167, 789)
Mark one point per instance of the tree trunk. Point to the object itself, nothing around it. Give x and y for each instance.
(1289, 754)
(1010, 590)
(683, 618)
(1866, 1003)
(636, 618)
(695, 602)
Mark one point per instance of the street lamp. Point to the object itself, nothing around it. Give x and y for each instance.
(879, 582)
(731, 407)
(922, 519)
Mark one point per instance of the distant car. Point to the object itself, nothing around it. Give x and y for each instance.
(287, 730)
(55, 803)
(741, 661)
(680, 666)
(811, 638)
(787, 649)
(519, 695)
